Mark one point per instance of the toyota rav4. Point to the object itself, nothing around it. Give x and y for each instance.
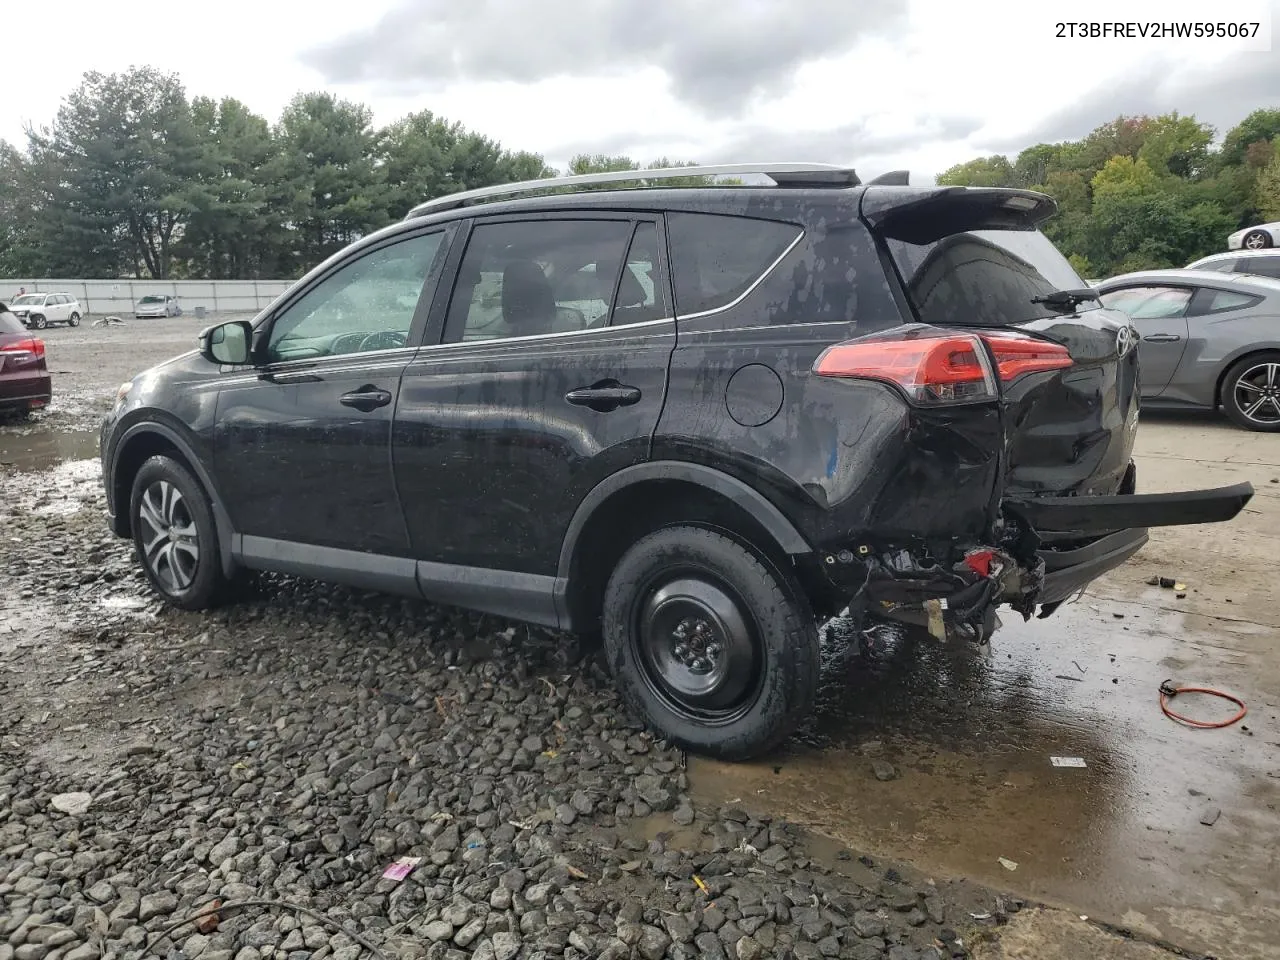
(693, 421)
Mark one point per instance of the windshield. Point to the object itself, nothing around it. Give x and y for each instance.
(29, 300)
(984, 278)
(152, 300)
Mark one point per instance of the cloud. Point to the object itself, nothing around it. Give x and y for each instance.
(858, 144)
(717, 56)
(1220, 94)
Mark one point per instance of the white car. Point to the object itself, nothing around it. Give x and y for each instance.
(38, 310)
(157, 305)
(1255, 238)
(1260, 263)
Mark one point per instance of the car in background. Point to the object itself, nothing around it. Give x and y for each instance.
(25, 384)
(39, 310)
(1264, 263)
(1207, 339)
(1258, 237)
(157, 305)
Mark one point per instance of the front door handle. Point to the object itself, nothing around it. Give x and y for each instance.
(366, 398)
(604, 396)
(1162, 338)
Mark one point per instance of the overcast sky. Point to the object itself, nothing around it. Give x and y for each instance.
(881, 84)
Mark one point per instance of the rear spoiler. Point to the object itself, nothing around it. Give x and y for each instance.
(925, 214)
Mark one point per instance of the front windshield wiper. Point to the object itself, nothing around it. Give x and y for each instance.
(1067, 299)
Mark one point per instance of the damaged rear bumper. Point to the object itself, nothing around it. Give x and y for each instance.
(1042, 551)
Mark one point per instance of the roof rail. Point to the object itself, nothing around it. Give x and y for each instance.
(894, 178)
(782, 174)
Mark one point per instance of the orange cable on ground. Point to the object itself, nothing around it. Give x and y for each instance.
(1168, 691)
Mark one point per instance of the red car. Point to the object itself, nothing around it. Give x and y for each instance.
(24, 375)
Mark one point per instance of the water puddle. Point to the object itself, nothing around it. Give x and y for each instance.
(26, 450)
(942, 757)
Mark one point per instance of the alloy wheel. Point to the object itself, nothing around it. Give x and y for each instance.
(170, 541)
(1257, 393)
(1255, 241)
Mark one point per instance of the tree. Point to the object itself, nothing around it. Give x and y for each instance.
(1269, 186)
(1261, 126)
(326, 180)
(1177, 146)
(118, 162)
(233, 229)
(983, 172)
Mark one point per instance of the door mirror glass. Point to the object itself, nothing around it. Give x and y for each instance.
(227, 342)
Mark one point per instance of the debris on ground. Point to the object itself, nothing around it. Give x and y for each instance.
(208, 923)
(1008, 864)
(74, 803)
(883, 770)
(1067, 761)
(1210, 816)
(401, 868)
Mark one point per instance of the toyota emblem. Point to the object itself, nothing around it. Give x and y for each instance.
(1125, 339)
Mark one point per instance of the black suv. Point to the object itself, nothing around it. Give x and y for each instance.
(695, 420)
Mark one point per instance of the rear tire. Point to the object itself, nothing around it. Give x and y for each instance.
(714, 648)
(1256, 240)
(174, 535)
(1251, 392)
(74, 319)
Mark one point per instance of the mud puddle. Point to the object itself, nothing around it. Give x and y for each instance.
(942, 757)
(27, 449)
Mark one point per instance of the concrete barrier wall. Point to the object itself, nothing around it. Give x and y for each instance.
(106, 297)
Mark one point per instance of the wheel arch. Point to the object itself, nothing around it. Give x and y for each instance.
(140, 442)
(639, 499)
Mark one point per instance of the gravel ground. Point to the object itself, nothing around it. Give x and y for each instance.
(292, 745)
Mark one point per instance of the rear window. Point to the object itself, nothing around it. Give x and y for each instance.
(10, 324)
(984, 277)
(716, 258)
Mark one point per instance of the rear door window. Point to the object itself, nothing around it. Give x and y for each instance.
(985, 278)
(715, 259)
(1150, 303)
(10, 324)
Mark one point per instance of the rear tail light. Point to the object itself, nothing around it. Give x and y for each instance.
(946, 368)
(31, 345)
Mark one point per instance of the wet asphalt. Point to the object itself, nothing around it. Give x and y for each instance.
(941, 756)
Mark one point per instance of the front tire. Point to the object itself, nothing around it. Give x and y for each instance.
(1256, 240)
(39, 322)
(1251, 392)
(709, 644)
(74, 319)
(174, 535)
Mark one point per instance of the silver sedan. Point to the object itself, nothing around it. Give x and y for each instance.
(1207, 340)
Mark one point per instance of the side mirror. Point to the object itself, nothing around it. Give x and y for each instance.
(227, 342)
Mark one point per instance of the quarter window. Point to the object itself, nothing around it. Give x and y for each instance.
(1215, 301)
(368, 304)
(535, 277)
(716, 258)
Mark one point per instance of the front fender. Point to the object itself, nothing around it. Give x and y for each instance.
(140, 432)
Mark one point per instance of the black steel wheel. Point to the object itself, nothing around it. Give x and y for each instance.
(709, 643)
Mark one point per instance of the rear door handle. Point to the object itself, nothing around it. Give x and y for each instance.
(366, 398)
(605, 396)
(1162, 338)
